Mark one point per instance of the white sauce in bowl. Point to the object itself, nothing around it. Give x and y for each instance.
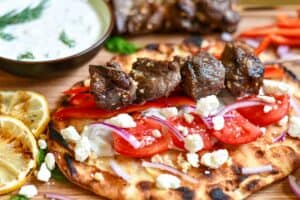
(41, 37)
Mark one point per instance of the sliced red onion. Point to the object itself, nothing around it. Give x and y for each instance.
(294, 185)
(280, 138)
(174, 131)
(171, 170)
(188, 109)
(119, 171)
(257, 170)
(295, 105)
(227, 37)
(133, 141)
(282, 50)
(56, 196)
(253, 43)
(237, 105)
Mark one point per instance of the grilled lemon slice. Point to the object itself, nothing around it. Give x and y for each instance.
(29, 107)
(18, 153)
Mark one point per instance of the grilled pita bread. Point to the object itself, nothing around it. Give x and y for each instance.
(224, 183)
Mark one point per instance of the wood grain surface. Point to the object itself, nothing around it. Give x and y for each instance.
(52, 87)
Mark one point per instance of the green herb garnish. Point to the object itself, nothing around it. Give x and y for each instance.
(120, 45)
(6, 36)
(41, 156)
(57, 175)
(66, 40)
(26, 15)
(26, 55)
(18, 197)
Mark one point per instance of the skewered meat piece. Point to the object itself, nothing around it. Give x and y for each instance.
(244, 71)
(155, 78)
(111, 87)
(202, 75)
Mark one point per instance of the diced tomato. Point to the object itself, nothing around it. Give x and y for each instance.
(83, 100)
(273, 71)
(257, 116)
(237, 130)
(96, 113)
(195, 127)
(151, 145)
(77, 90)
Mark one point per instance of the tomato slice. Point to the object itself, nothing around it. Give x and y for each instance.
(237, 130)
(196, 127)
(144, 133)
(257, 116)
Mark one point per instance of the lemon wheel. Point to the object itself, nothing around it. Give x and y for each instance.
(18, 153)
(29, 107)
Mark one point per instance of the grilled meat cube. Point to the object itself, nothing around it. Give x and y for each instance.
(155, 78)
(111, 87)
(202, 75)
(244, 71)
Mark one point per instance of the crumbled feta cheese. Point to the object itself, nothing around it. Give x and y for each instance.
(277, 87)
(263, 130)
(43, 174)
(184, 130)
(266, 99)
(147, 140)
(183, 164)
(50, 161)
(87, 83)
(82, 149)
(122, 121)
(153, 112)
(169, 112)
(283, 121)
(267, 109)
(28, 191)
(156, 133)
(193, 143)
(188, 117)
(193, 159)
(294, 127)
(207, 106)
(163, 159)
(215, 159)
(42, 144)
(70, 134)
(218, 122)
(167, 181)
(99, 176)
(100, 140)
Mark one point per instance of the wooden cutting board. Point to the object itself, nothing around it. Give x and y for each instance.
(52, 87)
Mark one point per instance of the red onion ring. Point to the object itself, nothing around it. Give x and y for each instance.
(174, 131)
(257, 170)
(171, 170)
(133, 141)
(295, 106)
(294, 185)
(280, 138)
(56, 196)
(251, 42)
(119, 171)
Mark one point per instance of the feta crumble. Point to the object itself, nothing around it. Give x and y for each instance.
(277, 87)
(215, 159)
(267, 109)
(156, 133)
(193, 143)
(182, 129)
(44, 174)
(207, 106)
(82, 149)
(70, 134)
(50, 161)
(294, 127)
(267, 99)
(218, 122)
(167, 181)
(122, 121)
(169, 112)
(283, 121)
(28, 191)
(42, 144)
(188, 117)
(193, 159)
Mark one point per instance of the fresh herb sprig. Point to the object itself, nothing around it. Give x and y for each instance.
(57, 175)
(64, 38)
(26, 55)
(41, 156)
(18, 197)
(6, 36)
(120, 45)
(25, 15)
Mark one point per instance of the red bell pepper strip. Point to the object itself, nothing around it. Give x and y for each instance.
(287, 22)
(264, 32)
(97, 113)
(281, 40)
(263, 45)
(273, 72)
(77, 90)
(83, 100)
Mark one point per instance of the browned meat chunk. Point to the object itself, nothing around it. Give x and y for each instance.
(202, 75)
(244, 71)
(111, 87)
(155, 78)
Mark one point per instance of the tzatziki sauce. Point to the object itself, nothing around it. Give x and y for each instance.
(64, 28)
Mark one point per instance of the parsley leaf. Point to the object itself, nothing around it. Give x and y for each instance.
(26, 15)
(66, 40)
(26, 55)
(6, 36)
(57, 175)
(18, 197)
(41, 156)
(120, 45)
